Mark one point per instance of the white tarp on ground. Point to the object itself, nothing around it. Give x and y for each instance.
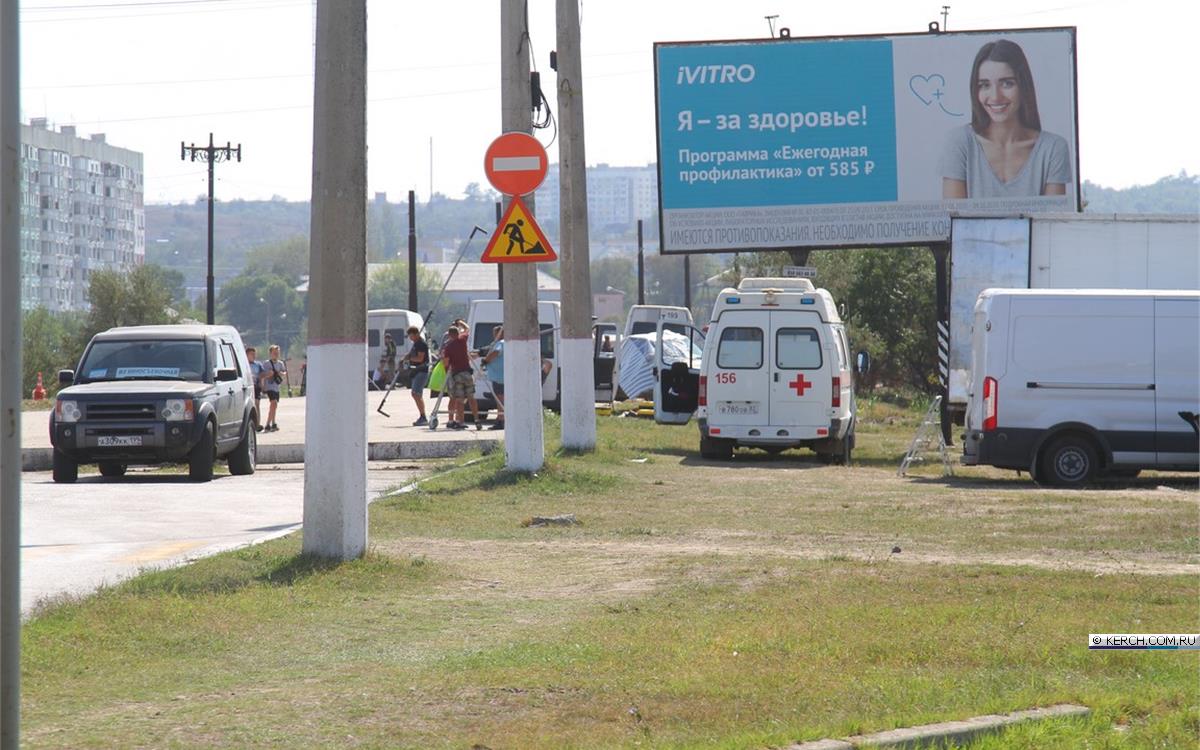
(637, 360)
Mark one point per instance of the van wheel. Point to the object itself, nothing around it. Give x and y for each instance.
(1070, 461)
(112, 469)
(66, 469)
(200, 460)
(843, 458)
(715, 448)
(245, 456)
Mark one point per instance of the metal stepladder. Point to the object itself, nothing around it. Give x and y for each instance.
(928, 438)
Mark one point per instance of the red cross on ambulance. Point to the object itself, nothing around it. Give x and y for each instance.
(800, 384)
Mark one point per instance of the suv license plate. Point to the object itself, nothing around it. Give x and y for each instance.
(118, 441)
(740, 408)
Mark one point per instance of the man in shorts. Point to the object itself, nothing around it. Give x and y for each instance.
(256, 371)
(418, 363)
(461, 384)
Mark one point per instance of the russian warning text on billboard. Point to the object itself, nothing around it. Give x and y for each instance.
(860, 141)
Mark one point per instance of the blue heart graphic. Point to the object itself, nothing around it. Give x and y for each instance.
(938, 84)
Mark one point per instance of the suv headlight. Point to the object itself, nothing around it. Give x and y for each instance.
(177, 410)
(67, 411)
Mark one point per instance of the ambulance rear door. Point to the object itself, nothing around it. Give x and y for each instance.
(678, 350)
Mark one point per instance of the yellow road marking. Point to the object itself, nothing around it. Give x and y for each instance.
(160, 552)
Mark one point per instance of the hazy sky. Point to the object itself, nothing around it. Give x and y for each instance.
(150, 73)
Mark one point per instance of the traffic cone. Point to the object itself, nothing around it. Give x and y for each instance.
(39, 391)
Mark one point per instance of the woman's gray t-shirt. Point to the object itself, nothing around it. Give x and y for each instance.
(964, 159)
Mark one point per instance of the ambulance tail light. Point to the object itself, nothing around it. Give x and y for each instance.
(836, 399)
(703, 391)
(991, 403)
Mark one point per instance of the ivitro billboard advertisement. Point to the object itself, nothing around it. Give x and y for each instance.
(861, 141)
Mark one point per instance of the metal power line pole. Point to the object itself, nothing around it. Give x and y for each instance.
(10, 378)
(578, 372)
(335, 435)
(687, 281)
(499, 266)
(945, 17)
(211, 154)
(412, 250)
(524, 447)
(641, 267)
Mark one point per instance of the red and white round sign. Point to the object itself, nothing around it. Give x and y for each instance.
(515, 163)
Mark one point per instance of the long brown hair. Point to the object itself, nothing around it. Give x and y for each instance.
(1004, 51)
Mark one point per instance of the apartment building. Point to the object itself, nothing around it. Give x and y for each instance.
(81, 210)
(617, 196)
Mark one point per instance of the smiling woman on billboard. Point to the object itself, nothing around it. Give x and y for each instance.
(1003, 152)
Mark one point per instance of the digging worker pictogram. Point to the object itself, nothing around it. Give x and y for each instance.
(516, 238)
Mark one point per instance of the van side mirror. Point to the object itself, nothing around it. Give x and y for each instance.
(862, 362)
(66, 377)
(226, 375)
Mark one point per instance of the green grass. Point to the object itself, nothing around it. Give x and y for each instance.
(699, 604)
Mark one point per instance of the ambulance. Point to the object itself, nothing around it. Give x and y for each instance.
(775, 373)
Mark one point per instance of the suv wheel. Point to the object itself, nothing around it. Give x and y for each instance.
(65, 468)
(200, 460)
(245, 456)
(1070, 461)
(112, 469)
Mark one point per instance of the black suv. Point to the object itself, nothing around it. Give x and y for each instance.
(157, 394)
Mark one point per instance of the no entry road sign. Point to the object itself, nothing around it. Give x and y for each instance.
(515, 164)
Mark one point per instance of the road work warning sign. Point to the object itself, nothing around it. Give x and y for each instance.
(518, 239)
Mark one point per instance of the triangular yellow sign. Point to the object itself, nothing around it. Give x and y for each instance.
(518, 239)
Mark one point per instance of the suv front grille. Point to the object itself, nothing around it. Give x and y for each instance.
(121, 411)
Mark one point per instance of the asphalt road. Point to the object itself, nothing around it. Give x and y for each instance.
(77, 537)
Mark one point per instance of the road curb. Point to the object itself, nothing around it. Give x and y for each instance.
(946, 732)
(42, 459)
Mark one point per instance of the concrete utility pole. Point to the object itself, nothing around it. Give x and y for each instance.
(578, 372)
(10, 378)
(335, 455)
(211, 154)
(524, 447)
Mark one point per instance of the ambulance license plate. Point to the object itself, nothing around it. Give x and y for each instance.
(118, 441)
(738, 408)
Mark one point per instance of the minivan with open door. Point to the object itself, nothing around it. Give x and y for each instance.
(776, 373)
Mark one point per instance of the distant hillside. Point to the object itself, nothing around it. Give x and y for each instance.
(176, 233)
(1170, 195)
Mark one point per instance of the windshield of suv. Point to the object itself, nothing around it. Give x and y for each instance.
(173, 359)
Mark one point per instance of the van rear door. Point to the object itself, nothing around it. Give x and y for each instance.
(677, 357)
(739, 376)
(802, 367)
(1177, 392)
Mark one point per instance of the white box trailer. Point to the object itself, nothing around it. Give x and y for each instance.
(1059, 251)
(1071, 384)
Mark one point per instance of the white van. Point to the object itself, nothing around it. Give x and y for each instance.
(486, 314)
(775, 373)
(645, 318)
(1071, 384)
(395, 322)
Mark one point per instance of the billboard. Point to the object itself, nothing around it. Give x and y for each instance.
(860, 141)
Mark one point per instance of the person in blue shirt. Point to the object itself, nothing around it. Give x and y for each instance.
(494, 366)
